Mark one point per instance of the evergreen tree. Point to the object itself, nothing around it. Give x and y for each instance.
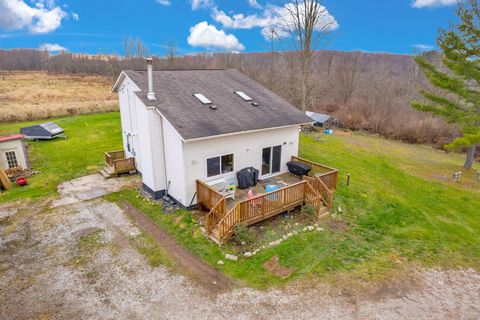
(458, 79)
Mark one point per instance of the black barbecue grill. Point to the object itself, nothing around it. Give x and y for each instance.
(298, 168)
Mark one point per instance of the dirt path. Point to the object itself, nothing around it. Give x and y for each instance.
(76, 262)
(210, 278)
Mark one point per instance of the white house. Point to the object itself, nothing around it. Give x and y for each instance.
(13, 152)
(184, 125)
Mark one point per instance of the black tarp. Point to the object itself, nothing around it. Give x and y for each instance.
(247, 177)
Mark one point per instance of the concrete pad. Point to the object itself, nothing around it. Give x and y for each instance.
(90, 187)
(64, 201)
(92, 193)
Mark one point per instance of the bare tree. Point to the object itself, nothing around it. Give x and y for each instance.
(171, 52)
(346, 76)
(272, 37)
(307, 24)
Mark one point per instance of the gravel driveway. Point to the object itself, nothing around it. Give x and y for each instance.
(49, 270)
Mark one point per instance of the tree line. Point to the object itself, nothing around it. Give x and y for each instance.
(369, 92)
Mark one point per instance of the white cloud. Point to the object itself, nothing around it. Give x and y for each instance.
(277, 18)
(239, 21)
(43, 17)
(197, 4)
(75, 16)
(254, 4)
(164, 2)
(52, 47)
(433, 3)
(423, 47)
(207, 36)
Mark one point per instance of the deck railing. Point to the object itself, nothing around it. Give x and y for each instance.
(268, 205)
(124, 165)
(319, 186)
(114, 155)
(315, 190)
(216, 213)
(207, 197)
(117, 162)
(328, 175)
(312, 197)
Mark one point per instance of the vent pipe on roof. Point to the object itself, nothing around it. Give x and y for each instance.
(150, 94)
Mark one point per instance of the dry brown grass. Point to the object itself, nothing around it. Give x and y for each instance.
(38, 95)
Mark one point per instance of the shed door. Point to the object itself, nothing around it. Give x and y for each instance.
(10, 158)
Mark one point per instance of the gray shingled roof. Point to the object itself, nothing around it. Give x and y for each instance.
(174, 91)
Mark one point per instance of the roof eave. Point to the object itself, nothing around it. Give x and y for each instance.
(244, 132)
(119, 81)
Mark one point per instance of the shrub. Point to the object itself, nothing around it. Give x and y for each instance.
(243, 234)
(309, 211)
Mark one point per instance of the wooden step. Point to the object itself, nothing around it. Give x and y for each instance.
(107, 172)
(323, 212)
(215, 235)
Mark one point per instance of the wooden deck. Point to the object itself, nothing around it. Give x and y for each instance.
(223, 215)
(282, 180)
(116, 164)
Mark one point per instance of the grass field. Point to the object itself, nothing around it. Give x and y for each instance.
(88, 137)
(397, 210)
(26, 96)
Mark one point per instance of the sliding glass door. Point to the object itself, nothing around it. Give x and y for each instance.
(271, 160)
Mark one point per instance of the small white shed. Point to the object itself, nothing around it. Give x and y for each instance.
(13, 152)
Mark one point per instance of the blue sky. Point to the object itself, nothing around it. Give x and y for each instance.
(396, 26)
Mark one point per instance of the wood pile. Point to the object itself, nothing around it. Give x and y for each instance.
(14, 172)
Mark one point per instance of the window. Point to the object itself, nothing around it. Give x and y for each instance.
(243, 95)
(202, 98)
(219, 165)
(11, 159)
(271, 160)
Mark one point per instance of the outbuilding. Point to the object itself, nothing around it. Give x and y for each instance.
(13, 152)
(44, 131)
(323, 120)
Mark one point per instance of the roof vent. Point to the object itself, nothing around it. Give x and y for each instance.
(255, 104)
(242, 95)
(202, 98)
(213, 107)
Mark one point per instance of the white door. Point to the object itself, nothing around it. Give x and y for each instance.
(271, 160)
(10, 158)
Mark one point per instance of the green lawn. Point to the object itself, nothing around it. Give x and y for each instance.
(397, 209)
(60, 160)
(395, 215)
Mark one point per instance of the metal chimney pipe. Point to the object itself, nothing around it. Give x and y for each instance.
(150, 94)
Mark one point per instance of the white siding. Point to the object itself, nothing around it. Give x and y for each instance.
(129, 117)
(175, 170)
(143, 126)
(247, 150)
(150, 145)
(17, 147)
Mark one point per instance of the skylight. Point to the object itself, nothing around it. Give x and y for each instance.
(202, 98)
(243, 95)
